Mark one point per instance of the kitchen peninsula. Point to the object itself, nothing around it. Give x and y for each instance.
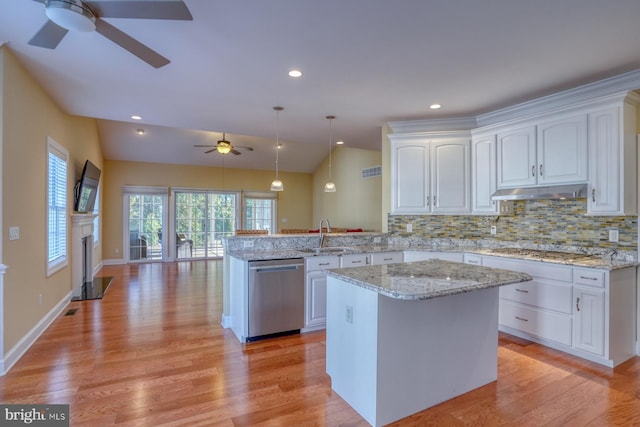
(404, 337)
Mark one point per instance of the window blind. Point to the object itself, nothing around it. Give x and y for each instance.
(57, 206)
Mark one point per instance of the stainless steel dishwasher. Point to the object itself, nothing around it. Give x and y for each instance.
(276, 297)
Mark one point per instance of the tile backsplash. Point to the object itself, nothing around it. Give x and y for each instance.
(534, 222)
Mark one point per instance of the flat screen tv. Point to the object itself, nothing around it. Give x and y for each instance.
(87, 188)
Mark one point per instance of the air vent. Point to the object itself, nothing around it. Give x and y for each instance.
(373, 171)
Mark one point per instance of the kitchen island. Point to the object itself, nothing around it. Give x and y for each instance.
(404, 337)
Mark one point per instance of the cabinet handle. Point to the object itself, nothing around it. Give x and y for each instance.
(578, 304)
(588, 278)
(593, 194)
(324, 263)
(523, 319)
(356, 262)
(387, 259)
(540, 169)
(434, 201)
(428, 201)
(533, 170)
(524, 291)
(473, 261)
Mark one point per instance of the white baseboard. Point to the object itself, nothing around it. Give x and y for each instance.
(113, 261)
(225, 322)
(13, 355)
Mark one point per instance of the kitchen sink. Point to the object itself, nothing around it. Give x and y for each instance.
(330, 249)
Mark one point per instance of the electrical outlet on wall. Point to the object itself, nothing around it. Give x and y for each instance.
(493, 230)
(409, 228)
(613, 235)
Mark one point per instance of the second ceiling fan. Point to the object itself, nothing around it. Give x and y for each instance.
(224, 147)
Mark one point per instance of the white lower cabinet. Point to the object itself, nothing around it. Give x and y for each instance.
(583, 311)
(588, 321)
(315, 313)
(316, 281)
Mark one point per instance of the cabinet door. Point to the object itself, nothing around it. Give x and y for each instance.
(410, 175)
(562, 150)
(483, 174)
(588, 320)
(316, 300)
(517, 157)
(450, 176)
(604, 162)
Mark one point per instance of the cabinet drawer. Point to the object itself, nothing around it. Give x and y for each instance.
(588, 277)
(386, 258)
(560, 273)
(543, 324)
(322, 263)
(353, 260)
(541, 294)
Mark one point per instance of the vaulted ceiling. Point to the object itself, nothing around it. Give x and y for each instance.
(365, 61)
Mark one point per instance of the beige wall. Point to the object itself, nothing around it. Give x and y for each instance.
(29, 116)
(294, 203)
(357, 201)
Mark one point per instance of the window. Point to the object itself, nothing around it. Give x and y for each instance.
(96, 221)
(260, 212)
(145, 216)
(57, 161)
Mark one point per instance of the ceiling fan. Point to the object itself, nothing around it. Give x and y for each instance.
(224, 147)
(85, 16)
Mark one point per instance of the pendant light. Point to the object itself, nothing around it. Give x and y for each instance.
(277, 185)
(329, 186)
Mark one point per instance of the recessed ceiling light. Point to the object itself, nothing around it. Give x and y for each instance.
(134, 117)
(295, 73)
(339, 142)
(435, 106)
(140, 131)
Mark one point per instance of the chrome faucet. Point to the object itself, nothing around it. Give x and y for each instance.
(321, 233)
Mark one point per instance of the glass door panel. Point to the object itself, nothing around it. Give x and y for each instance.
(145, 225)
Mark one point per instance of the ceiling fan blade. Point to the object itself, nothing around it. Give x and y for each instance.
(210, 151)
(244, 147)
(49, 36)
(127, 42)
(236, 152)
(174, 10)
(201, 146)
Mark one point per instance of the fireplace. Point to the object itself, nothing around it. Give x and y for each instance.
(81, 254)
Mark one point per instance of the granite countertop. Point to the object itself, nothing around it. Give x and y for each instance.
(427, 279)
(579, 261)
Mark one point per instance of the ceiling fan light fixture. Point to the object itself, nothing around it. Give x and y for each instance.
(72, 15)
(329, 187)
(277, 185)
(223, 147)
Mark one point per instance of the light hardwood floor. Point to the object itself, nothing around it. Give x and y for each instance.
(152, 352)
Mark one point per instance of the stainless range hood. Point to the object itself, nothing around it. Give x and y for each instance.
(557, 192)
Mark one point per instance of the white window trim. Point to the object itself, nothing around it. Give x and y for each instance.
(63, 153)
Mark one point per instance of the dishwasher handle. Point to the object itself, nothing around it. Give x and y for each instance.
(276, 268)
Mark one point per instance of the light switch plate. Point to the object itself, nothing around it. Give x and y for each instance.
(14, 233)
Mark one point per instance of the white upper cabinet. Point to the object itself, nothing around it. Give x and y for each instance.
(430, 174)
(612, 160)
(410, 177)
(517, 157)
(483, 174)
(545, 152)
(562, 150)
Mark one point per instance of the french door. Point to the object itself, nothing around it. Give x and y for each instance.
(145, 217)
(202, 219)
